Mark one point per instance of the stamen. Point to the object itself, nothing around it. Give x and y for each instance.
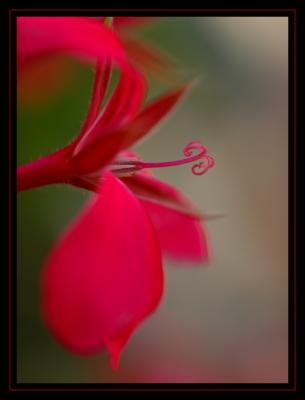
(125, 171)
(199, 168)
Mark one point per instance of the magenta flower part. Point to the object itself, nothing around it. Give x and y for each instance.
(104, 276)
(84, 38)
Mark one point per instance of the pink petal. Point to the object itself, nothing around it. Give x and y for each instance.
(82, 37)
(174, 216)
(149, 59)
(151, 115)
(148, 187)
(182, 238)
(122, 22)
(95, 157)
(126, 100)
(43, 78)
(101, 80)
(104, 276)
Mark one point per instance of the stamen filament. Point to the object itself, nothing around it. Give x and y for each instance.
(200, 168)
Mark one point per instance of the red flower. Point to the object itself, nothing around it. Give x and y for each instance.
(105, 274)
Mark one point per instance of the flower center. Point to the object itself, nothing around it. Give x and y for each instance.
(129, 166)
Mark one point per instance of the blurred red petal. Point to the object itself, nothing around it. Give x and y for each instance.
(113, 106)
(101, 80)
(148, 58)
(148, 187)
(98, 155)
(122, 22)
(125, 101)
(82, 37)
(104, 276)
(182, 238)
(151, 115)
(42, 78)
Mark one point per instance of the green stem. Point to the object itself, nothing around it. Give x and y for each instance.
(108, 21)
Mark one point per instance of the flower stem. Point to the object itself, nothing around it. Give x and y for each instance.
(50, 169)
(108, 21)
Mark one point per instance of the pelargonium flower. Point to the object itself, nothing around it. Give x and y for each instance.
(105, 274)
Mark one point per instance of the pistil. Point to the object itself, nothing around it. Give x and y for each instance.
(129, 166)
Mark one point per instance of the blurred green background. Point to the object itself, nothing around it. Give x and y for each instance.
(227, 322)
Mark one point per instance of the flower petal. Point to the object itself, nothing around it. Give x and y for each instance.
(181, 237)
(151, 60)
(126, 99)
(146, 186)
(43, 78)
(122, 22)
(101, 80)
(105, 276)
(79, 36)
(151, 115)
(120, 109)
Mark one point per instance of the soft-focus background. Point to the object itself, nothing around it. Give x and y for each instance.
(227, 322)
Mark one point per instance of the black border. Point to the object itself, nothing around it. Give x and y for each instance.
(296, 329)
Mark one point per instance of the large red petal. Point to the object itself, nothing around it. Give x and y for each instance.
(82, 37)
(104, 276)
(182, 238)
